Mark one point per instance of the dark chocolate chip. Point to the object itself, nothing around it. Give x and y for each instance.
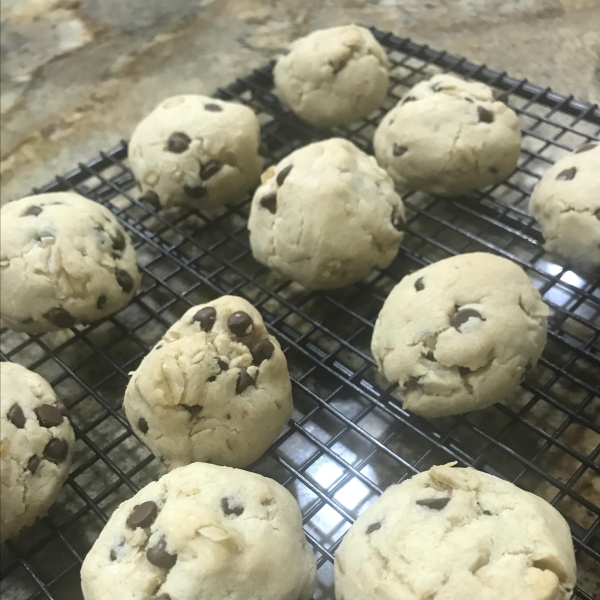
(101, 302)
(151, 198)
(143, 425)
(159, 557)
(462, 316)
(230, 507)
(113, 555)
(397, 220)
(33, 463)
(244, 380)
(567, 174)
(222, 364)
(373, 527)
(32, 211)
(210, 168)
(48, 415)
(125, 280)
(419, 285)
(586, 147)
(142, 515)
(178, 142)
(500, 96)
(464, 371)
(56, 450)
(398, 150)
(281, 176)
(467, 99)
(118, 242)
(262, 350)
(485, 115)
(434, 503)
(408, 99)
(194, 411)
(269, 202)
(240, 323)
(493, 170)
(195, 192)
(212, 107)
(206, 317)
(60, 317)
(16, 416)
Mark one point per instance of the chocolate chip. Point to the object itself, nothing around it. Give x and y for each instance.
(434, 503)
(195, 192)
(101, 302)
(158, 556)
(207, 170)
(500, 96)
(240, 323)
(462, 316)
(419, 285)
(60, 317)
(56, 450)
(397, 220)
(567, 174)
(33, 463)
(142, 515)
(49, 416)
(178, 142)
(230, 507)
(373, 527)
(262, 350)
(485, 115)
(586, 147)
(281, 176)
(408, 99)
(464, 371)
(493, 170)
(244, 380)
(151, 198)
(194, 411)
(125, 280)
(206, 317)
(212, 107)
(467, 99)
(430, 356)
(118, 242)
(32, 211)
(222, 364)
(143, 425)
(399, 150)
(269, 202)
(112, 555)
(16, 416)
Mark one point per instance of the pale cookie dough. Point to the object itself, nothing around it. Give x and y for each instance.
(203, 531)
(215, 389)
(196, 150)
(566, 203)
(64, 260)
(326, 216)
(448, 136)
(35, 449)
(460, 334)
(333, 76)
(456, 534)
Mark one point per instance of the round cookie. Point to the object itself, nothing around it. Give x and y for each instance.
(196, 150)
(215, 389)
(35, 449)
(333, 76)
(326, 216)
(451, 533)
(203, 531)
(566, 203)
(460, 334)
(64, 260)
(448, 136)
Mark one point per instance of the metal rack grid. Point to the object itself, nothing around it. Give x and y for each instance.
(349, 437)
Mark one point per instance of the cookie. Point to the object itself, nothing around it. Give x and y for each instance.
(64, 260)
(460, 334)
(195, 150)
(451, 533)
(203, 531)
(215, 389)
(35, 449)
(566, 203)
(326, 216)
(333, 76)
(448, 136)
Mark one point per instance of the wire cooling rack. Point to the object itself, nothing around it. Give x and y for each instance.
(349, 437)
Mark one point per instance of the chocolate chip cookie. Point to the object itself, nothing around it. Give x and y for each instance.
(64, 260)
(216, 388)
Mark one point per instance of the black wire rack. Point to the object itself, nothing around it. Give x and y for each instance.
(349, 437)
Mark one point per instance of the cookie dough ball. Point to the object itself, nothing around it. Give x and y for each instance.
(448, 136)
(35, 449)
(333, 76)
(326, 216)
(196, 150)
(215, 389)
(453, 533)
(566, 203)
(203, 531)
(460, 334)
(64, 260)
